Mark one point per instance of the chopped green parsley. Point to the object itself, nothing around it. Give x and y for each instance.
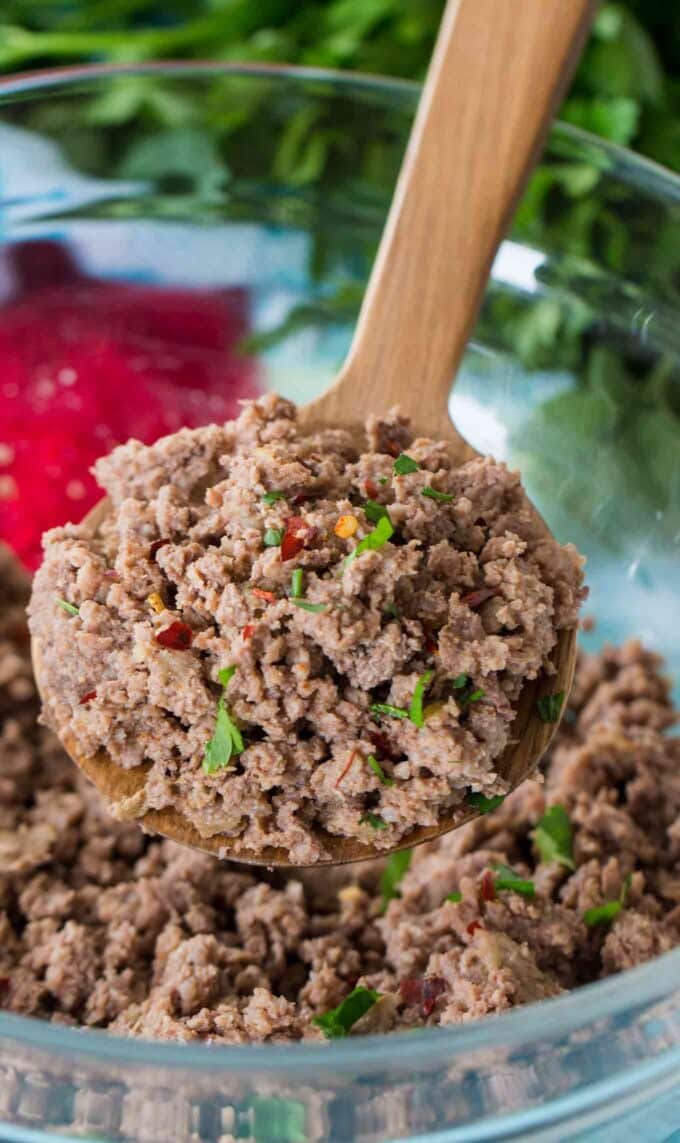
(69, 608)
(415, 712)
(374, 511)
(226, 741)
(374, 541)
(454, 897)
(460, 681)
(483, 804)
(379, 772)
(554, 835)
(387, 708)
(273, 537)
(339, 1021)
(606, 913)
(405, 464)
(506, 878)
(550, 706)
(270, 498)
(396, 866)
(434, 494)
(374, 820)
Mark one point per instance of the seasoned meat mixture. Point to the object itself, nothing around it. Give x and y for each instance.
(296, 636)
(566, 882)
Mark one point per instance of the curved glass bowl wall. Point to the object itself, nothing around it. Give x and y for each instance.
(250, 202)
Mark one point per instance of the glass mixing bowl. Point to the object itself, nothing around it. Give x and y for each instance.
(174, 237)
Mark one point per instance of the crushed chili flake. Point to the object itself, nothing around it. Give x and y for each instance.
(157, 544)
(488, 886)
(259, 593)
(479, 596)
(473, 927)
(87, 698)
(301, 498)
(347, 769)
(177, 637)
(297, 535)
(422, 990)
(248, 631)
(432, 647)
(371, 488)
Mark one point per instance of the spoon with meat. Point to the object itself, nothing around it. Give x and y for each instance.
(312, 636)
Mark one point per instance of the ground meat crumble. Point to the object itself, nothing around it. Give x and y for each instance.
(228, 548)
(105, 927)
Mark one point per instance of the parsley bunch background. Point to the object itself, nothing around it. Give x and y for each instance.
(627, 87)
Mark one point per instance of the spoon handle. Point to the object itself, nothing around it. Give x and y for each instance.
(496, 76)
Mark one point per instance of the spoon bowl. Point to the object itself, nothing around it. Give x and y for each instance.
(495, 78)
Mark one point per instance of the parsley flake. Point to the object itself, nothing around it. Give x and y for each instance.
(506, 878)
(434, 494)
(227, 740)
(69, 608)
(273, 537)
(296, 583)
(460, 681)
(383, 480)
(387, 708)
(391, 610)
(554, 835)
(483, 804)
(415, 712)
(374, 820)
(405, 464)
(374, 511)
(270, 498)
(374, 541)
(338, 1022)
(307, 606)
(606, 913)
(378, 770)
(396, 866)
(550, 706)
(454, 897)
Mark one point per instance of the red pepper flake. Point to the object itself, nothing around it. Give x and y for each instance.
(432, 647)
(301, 498)
(157, 544)
(382, 745)
(347, 769)
(472, 928)
(87, 698)
(248, 631)
(480, 596)
(488, 886)
(297, 535)
(177, 637)
(371, 488)
(392, 447)
(260, 593)
(422, 990)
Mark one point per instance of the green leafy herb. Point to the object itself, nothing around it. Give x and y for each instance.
(549, 707)
(296, 583)
(270, 498)
(307, 606)
(227, 740)
(374, 511)
(475, 696)
(455, 897)
(387, 708)
(405, 464)
(460, 681)
(415, 712)
(391, 609)
(506, 878)
(377, 769)
(606, 913)
(278, 1120)
(434, 494)
(339, 1021)
(395, 867)
(374, 541)
(373, 820)
(273, 537)
(554, 835)
(383, 480)
(69, 608)
(483, 804)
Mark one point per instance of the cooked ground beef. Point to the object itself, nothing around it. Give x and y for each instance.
(103, 926)
(243, 546)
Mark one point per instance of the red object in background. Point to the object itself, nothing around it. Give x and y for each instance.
(86, 364)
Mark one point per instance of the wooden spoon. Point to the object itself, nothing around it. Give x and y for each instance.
(497, 73)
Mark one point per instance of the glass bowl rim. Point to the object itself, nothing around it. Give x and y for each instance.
(541, 1020)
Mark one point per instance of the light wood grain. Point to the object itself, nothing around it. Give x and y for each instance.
(498, 70)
